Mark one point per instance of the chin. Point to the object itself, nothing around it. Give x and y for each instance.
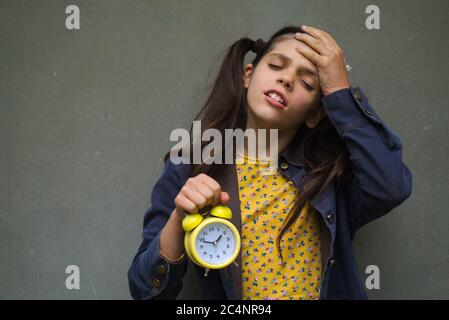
(266, 118)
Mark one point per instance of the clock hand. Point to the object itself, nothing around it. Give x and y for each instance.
(215, 242)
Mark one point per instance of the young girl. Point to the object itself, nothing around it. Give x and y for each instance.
(340, 167)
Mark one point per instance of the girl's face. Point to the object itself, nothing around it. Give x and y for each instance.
(294, 78)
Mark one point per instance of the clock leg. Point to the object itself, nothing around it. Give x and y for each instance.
(206, 271)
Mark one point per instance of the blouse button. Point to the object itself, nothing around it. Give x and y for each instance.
(284, 165)
(330, 217)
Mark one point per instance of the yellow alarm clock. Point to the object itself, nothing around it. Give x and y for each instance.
(211, 242)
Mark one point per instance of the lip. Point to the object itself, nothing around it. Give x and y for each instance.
(275, 102)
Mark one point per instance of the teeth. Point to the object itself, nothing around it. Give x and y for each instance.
(276, 97)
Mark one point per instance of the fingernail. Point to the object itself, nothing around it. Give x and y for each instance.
(297, 34)
(304, 27)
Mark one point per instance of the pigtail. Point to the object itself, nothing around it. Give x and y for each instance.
(228, 91)
(225, 107)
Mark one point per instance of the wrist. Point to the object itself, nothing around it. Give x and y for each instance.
(335, 89)
(176, 221)
(179, 213)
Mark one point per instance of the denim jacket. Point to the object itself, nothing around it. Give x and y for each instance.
(380, 182)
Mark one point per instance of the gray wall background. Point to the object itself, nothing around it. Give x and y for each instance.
(85, 118)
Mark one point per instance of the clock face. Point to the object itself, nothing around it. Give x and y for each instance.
(215, 243)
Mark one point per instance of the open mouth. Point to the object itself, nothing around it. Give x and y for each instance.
(275, 98)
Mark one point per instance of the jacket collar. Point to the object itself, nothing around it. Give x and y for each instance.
(291, 152)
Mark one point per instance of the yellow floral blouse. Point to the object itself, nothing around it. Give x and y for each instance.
(265, 200)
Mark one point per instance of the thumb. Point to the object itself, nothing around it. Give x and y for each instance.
(224, 197)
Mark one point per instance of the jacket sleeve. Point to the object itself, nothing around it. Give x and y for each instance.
(151, 275)
(380, 180)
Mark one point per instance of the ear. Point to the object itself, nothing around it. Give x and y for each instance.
(315, 117)
(247, 72)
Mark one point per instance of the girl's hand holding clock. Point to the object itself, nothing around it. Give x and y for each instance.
(199, 192)
(323, 51)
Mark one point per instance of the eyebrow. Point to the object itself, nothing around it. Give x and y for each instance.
(288, 60)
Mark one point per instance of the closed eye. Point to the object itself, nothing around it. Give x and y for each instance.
(276, 67)
(308, 85)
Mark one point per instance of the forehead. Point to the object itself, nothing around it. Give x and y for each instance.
(287, 48)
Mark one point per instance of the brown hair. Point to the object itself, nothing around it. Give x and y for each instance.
(321, 149)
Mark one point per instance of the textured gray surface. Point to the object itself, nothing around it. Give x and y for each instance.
(85, 118)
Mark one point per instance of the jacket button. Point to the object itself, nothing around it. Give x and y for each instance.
(330, 217)
(358, 95)
(156, 283)
(368, 112)
(161, 269)
(284, 165)
(331, 262)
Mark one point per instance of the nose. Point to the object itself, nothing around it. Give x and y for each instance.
(286, 81)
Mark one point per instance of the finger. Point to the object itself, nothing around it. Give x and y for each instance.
(205, 191)
(194, 196)
(213, 185)
(310, 54)
(331, 44)
(316, 44)
(314, 32)
(186, 204)
(330, 40)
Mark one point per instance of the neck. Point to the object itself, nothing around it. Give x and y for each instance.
(284, 138)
